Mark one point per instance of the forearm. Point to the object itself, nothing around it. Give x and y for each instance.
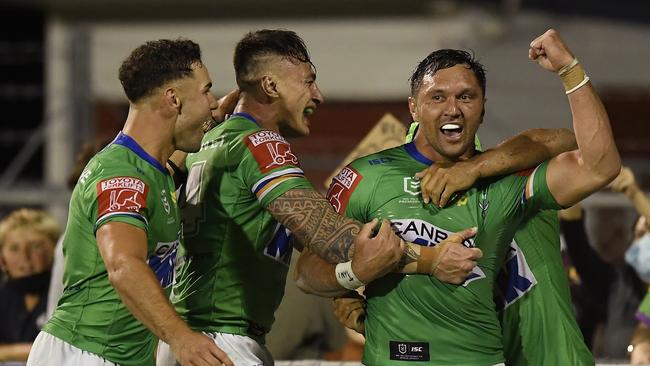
(141, 293)
(317, 277)
(14, 351)
(523, 151)
(598, 153)
(315, 224)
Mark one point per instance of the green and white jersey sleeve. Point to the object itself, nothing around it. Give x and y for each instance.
(121, 184)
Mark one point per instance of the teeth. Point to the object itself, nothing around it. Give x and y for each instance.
(450, 126)
(308, 111)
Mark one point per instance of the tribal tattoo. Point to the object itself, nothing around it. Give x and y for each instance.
(313, 222)
(409, 256)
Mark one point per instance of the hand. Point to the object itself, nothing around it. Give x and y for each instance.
(624, 182)
(456, 261)
(195, 348)
(375, 257)
(550, 52)
(350, 310)
(441, 180)
(225, 105)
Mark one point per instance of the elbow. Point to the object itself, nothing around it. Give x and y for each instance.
(117, 272)
(610, 170)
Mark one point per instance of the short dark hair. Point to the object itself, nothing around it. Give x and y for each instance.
(265, 42)
(155, 63)
(443, 59)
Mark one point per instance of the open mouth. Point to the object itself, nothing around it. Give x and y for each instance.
(451, 129)
(308, 111)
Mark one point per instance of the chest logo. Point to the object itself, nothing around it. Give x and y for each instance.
(412, 186)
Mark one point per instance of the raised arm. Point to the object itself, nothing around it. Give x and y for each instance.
(440, 181)
(574, 175)
(338, 239)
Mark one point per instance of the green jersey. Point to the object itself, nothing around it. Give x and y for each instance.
(417, 318)
(235, 255)
(122, 183)
(534, 300)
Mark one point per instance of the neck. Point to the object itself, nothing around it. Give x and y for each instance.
(426, 149)
(263, 110)
(151, 130)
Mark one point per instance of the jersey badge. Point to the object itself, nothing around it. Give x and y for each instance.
(412, 186)
(121, 195)
(270, 150)
(342, 187)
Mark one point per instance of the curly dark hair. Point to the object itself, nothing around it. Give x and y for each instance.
(266, 42)
(155, 63)
(443, 59)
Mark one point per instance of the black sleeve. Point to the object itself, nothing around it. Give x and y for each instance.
(595, 274)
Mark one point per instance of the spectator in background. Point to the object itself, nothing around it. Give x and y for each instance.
(27, 240)
(638, 257)
(613, 287)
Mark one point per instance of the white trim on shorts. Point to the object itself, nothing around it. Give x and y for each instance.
(49, 350)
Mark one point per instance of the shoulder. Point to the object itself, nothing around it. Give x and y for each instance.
(376, 163)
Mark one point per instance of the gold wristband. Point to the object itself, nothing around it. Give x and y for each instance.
(573, 76)
(428, 256)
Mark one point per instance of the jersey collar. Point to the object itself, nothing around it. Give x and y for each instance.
(415, 154)
(128, 142)
(245, 115)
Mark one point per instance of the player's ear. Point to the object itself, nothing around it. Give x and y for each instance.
(269, 86)
(171, 98)
(413, 108)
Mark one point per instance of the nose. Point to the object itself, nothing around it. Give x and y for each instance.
(316, 95)
(23, 258)
(213, 102)
(451, 108)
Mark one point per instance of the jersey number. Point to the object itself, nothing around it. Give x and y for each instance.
(193, 210)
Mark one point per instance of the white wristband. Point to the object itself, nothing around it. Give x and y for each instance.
(346, 277)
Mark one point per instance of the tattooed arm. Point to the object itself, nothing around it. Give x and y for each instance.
(330, 238)
(316, 226)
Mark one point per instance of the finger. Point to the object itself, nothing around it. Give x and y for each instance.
(436, 192)
(384, 230)
(447, 194)
(425, 177)
(463, 235)
(476, 253)
(220, 356)
(367, 229)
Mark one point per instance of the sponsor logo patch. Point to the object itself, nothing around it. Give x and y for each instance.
(342, 187)
(409, 351)
(412, 186)
(121, 194)
(270, 150)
